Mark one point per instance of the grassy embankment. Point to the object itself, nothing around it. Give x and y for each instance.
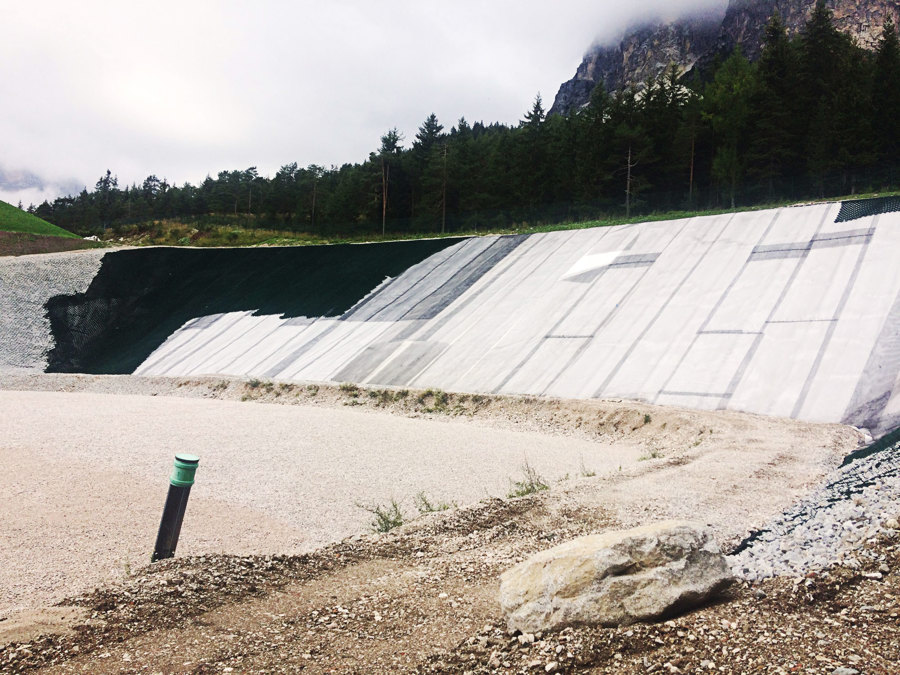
(16, 220)
(22, 233)
(239, 230)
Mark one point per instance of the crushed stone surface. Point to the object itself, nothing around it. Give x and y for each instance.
(26, 284)
(855, 504)
(90, 468)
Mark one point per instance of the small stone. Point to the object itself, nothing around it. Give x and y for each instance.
(842, 670)
(892, 524)
(551, 667)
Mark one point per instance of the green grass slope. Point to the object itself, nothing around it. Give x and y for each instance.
(16, 220)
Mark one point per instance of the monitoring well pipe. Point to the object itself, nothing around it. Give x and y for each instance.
(180, 483)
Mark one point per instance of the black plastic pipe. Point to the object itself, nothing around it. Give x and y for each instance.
(180, 483)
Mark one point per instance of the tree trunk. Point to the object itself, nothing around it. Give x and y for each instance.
(691, 183)
(312, 217)
(385, 177)
(444, 195)
(628, 186)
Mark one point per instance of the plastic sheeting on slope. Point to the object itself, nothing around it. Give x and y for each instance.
(783, 312)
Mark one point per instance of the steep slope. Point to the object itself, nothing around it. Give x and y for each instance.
(695, 41)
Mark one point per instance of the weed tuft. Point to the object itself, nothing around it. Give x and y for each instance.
(350, 389)
(385, 516)
(425, 505)
(531, 482)
(584, 471)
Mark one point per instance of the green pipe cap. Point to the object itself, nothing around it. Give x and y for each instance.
(184, 470)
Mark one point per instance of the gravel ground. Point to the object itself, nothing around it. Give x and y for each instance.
(82, 503)
(856, 504)
(422, 599)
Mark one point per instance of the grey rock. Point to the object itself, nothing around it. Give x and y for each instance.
(616, 578)
(694, 42)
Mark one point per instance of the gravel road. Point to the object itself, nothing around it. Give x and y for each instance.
(81, 501)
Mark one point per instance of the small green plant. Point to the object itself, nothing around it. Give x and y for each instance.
(403, 393)
(312, 389)
(253, 383)
(425, 505)
(439, 400)
(653, 453)
(350, 389)
(584, 471)
(531, 482)
(384, 396)
(647, 418)
(386, 516)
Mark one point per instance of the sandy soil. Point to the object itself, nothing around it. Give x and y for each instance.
(89, 460)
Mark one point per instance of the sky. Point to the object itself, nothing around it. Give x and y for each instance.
(186, 89)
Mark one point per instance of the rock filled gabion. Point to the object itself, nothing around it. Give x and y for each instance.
(26, 284)
(859, 502)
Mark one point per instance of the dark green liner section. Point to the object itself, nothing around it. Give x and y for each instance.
(862, 208)
(140, 297)
(887, 441)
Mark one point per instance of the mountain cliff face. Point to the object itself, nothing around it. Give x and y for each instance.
(693, 41)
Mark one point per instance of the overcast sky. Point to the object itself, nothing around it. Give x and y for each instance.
(189, 88)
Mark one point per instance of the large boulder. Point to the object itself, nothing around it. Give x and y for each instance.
(615, 578)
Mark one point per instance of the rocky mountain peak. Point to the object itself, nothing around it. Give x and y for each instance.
(648, 49)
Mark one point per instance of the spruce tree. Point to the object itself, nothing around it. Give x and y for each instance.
(728, 107)
(773, 150)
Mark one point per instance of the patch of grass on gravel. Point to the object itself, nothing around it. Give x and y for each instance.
(530, 483)
(385, 516)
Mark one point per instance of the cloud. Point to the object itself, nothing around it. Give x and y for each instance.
(186, 89)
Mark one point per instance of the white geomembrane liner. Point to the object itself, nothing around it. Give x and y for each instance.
(753, 311)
